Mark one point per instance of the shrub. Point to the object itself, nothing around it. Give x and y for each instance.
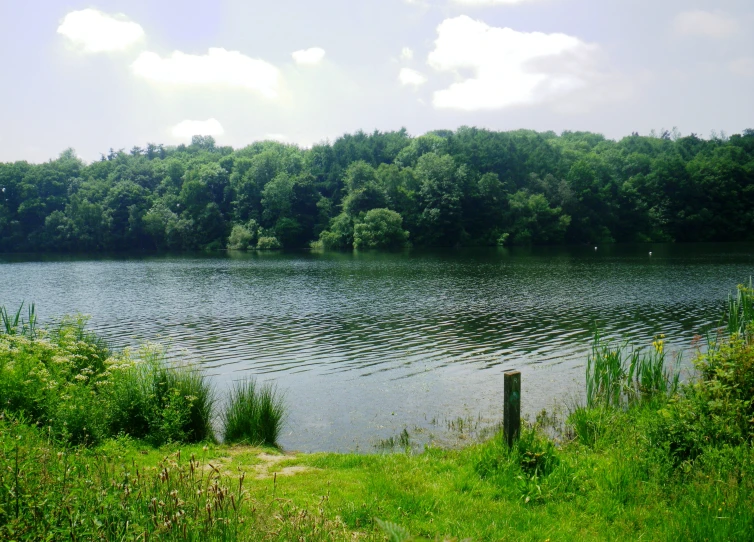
(716, 409)
(244, 237)
(381, 228)
(268, 243)
(151, 399)
(253, 415)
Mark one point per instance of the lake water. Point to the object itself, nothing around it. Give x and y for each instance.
(367, 344)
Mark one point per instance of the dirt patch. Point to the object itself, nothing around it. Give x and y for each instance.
(268, 460)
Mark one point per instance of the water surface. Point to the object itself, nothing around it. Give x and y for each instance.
(367, 344)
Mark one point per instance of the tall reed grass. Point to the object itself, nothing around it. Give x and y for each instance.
(254, 414)
(14, 324)
(739, 314)
(617, 375)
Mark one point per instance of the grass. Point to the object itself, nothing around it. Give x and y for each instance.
(619, 489)
(617, 375)
(740, 310)
(254, 414)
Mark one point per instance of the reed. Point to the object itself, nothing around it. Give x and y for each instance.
(254, 414)
(617, 375)
(14, 324)
(739, 314)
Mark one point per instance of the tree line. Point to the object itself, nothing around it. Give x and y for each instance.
(386, 189)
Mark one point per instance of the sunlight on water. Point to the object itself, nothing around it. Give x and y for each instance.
(367, 344)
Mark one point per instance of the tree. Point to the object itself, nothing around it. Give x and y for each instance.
(440, 195)
(381, 228)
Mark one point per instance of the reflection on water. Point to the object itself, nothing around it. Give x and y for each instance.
(366, 344)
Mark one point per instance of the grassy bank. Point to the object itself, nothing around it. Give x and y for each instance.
(645, 458)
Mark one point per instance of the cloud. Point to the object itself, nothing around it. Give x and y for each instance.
(705, 23)
(189, 128)
(508, 67)
(489, 2)
(407, 76)
(97, 32)
(217, 68)
(743, 66)
(407, 53)
(313, 55)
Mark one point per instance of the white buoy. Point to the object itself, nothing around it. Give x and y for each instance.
(650, 252)
(595, 248)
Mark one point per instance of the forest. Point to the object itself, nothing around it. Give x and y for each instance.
(467, 187)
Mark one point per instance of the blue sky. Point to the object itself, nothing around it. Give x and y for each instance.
(118, 74)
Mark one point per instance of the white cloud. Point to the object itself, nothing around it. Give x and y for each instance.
(96, 32)
(489, 2)
(189, 128)
(313, 55)
(705, 23)
(508, 67)
(407, 53)
(743, 66)
(407, 76)
(217, 68)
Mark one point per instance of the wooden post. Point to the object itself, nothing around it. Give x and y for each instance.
(512, 406)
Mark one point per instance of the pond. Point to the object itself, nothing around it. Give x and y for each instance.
(365, 345)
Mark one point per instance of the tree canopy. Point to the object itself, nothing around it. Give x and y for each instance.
(385, 189)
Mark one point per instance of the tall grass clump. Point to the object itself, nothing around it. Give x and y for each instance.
(14, 324)
(254, 414)
(155, 400)
(617, 376)
(739, 313)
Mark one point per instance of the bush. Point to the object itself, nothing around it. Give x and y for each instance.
(253, 415)
(268, 243)
(718, 408)
(153, 400)
(381, 228)
(244, 237)
(53, 378)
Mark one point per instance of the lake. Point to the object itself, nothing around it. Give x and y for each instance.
(365, 345)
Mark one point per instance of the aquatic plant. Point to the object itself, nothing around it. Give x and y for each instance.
(617, 375)
(739, 314)
(13, 324)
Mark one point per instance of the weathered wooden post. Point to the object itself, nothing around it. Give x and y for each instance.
(511, 406)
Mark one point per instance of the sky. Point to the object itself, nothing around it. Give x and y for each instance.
(117, 74)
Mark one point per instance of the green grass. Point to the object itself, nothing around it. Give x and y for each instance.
(254, 414)
(740, 310)
(617, 375)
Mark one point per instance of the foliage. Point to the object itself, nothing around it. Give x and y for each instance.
(464, 187)
(254, 414)
(616, 375)
(716, 409)
(67, 379)
(381, 228)
(740, 311)
(651, 459)
(153, 400)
